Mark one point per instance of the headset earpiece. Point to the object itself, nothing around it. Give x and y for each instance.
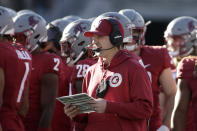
(115, 36)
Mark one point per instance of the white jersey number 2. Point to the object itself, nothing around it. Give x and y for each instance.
(57, 61)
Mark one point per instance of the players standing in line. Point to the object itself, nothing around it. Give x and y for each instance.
(75, 46)
(54, 33)
(157, 62)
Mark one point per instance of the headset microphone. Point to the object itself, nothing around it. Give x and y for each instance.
(100, 49)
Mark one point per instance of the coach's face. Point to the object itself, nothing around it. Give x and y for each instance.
(104, 44)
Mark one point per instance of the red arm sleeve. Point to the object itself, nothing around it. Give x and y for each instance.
(167, 59)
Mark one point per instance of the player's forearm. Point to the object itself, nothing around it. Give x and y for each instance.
(135, 110)
(46, 116)
(49, 89)
(0, 128)
(170, 107)
(179, 121)
(1, 102)
(24, 107)
(2, 84)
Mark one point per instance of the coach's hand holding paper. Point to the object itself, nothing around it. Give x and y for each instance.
(76, 104)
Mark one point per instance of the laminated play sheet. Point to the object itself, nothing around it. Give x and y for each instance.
(80, 100)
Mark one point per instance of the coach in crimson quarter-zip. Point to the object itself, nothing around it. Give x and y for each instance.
(120, 85)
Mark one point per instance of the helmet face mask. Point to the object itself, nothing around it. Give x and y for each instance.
(66, 45)
(23, 37)
(73, 42)
(174, 44)
(138, 28)
(138, 34)
(65, 49)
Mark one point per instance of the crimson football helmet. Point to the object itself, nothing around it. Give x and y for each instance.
(180, 36)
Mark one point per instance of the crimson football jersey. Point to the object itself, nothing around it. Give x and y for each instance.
(155, 59)
(42, 63)
(16, 63)
(60, 121)
(80, 69)
(78, 73)
(186, 71)
(129, 95)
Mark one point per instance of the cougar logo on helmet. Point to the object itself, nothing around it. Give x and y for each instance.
(33, 21)
(79, 28)
(191, 26)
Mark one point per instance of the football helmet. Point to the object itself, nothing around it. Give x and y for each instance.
(61, 23)
(125, 22)
(12, 12)
(55, 30)
(138, 26)
(6, 22)
(32, 26)
(92, 19)
(73, 42)
(71, 17)
(24, 11)
(180, 36)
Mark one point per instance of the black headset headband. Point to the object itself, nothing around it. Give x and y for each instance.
(116, 37)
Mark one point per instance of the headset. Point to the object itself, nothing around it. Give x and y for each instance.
(115, 36)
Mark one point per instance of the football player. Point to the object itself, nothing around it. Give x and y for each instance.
(46, 69)
(54, 33)
(15, 68)
(157, 63)
(76, 46)
(180, 36)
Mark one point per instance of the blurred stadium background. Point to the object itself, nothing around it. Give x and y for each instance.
(160, 12)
